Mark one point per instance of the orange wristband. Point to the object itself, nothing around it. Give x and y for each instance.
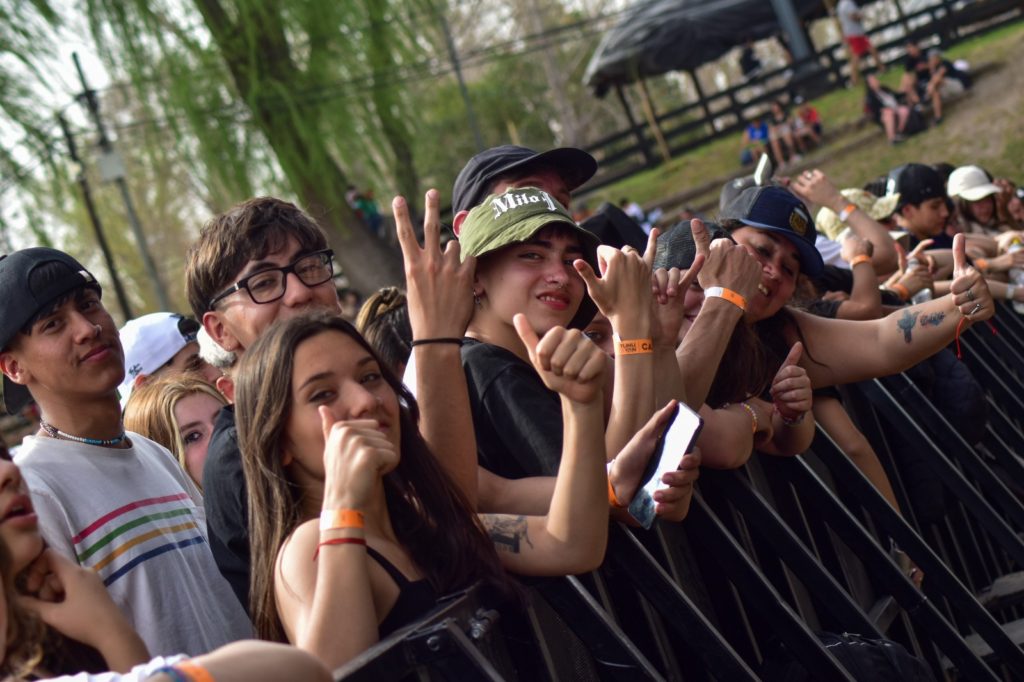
(901, 291)
(728, 294)
(981, 263)
(193, 671)
(845, 213)
(857, 260)
(613, 500)
(633, 346)
(333, 519)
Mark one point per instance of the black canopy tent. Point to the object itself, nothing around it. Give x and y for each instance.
(658, 36)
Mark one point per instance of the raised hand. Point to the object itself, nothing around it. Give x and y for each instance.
(623, 291)
(356, 455)
(566, 360)
(669, 289)
(791, 387)
(854, 246)
(726, 264)
(814, 187)
(969, 289)
(438, 285)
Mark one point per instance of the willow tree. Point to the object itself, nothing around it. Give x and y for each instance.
(314, 82)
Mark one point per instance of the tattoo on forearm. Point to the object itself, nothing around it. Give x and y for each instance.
(932, 320)
(507, 532)
(906, 324)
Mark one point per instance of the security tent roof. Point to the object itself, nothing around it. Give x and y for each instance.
(657, 36)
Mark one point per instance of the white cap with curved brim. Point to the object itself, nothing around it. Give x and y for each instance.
(971, 183)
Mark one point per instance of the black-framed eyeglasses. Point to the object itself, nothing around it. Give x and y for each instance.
(269, 285)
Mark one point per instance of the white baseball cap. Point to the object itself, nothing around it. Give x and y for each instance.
(150, 342)
(971, 183)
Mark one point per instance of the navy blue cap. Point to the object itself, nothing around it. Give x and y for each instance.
(778, 210)
(474, 181)
(27, 291)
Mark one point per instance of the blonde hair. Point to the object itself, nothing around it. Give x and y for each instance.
(150, 410)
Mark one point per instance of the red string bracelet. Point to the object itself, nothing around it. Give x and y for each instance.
(338, 541)
(959, 328)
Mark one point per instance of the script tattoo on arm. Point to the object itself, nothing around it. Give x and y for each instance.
(507, 532)
(906, 324)
(932, 320)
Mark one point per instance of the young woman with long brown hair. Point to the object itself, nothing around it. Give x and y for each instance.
(355, 527)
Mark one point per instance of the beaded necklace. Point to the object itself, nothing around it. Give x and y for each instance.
(53, 432)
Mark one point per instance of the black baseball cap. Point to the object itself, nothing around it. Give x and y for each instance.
(27, 290)
(473, 183)
(915, 183)
(676, 248)
(778, 210)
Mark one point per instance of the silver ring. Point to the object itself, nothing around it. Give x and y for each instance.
(970, 295)
(977, 307)
(808, 174)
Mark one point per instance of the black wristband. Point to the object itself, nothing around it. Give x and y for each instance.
(441, 339)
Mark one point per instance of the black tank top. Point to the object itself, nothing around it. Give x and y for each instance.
(415, 598)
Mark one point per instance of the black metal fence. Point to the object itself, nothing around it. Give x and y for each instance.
(775, 553)
(723, 113)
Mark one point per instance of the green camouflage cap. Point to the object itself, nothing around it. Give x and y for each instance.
(514, 216)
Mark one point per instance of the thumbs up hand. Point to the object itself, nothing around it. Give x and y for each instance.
(566, 360)
(791, 387)
(969, 290)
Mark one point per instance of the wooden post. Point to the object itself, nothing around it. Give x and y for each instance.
(703, 101)
(652, 120)
(634, 126)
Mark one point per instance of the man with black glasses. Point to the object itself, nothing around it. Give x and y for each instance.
(261, 261)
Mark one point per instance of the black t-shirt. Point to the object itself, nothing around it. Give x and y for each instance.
(919, 66)
(518, 421)
(956, 74)
(227, 508)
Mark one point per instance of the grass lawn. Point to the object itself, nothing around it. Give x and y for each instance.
(985, 127)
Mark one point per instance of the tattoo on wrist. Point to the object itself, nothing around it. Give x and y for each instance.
(507, 532)
(932, 320)
(906, 324)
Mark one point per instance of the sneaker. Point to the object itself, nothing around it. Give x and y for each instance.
(938, 120)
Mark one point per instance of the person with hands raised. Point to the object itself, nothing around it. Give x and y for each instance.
(356, 528)
(814, 187)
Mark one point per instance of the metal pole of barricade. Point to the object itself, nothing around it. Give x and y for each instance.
(921, 610)
(616, 656)
(950, 476)
(759, 515)
(757, 590)
(630, 556)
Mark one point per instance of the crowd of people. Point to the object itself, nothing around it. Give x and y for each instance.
(264, 469)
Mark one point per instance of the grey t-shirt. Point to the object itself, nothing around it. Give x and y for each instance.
(847, 11)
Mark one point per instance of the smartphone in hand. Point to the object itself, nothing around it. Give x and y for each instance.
(676, 440)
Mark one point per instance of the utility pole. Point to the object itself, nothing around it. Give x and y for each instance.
(457, 67)
(94, 218)
(112, 168)
(790, 23)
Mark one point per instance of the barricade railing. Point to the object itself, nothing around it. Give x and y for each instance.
(774, 553)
